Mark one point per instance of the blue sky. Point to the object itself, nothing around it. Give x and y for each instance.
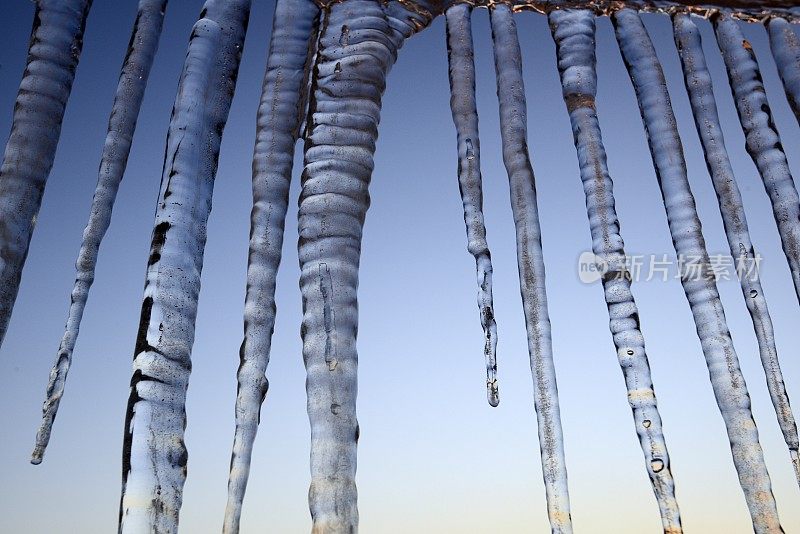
(433, 456)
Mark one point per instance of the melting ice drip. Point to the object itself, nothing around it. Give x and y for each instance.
(325, 77)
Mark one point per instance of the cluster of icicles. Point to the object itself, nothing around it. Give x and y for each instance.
(325, 77)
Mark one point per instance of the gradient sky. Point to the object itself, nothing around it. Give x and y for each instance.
(433, 456)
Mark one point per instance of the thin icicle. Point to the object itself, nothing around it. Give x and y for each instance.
(121, 126)
(785, 47)
(154, 455)
(574, 35)
(53, 54)
(763, 142)
(465, 116)
(294, 29)
(726, 377)
(514, 133)
(358, 45)
(704, 107)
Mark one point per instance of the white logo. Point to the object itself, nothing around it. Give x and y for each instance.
(591, 267)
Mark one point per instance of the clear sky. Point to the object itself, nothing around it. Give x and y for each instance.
(433, 456)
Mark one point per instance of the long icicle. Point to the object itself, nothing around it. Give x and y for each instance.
(701, 95)
(763, 142)
(726, 377)
(154, 454)
(294, 29)
(465, 117)
(574, 34)
(358, 44)
(121, 126)
(785, 47)
(513, 129)
(53, 54)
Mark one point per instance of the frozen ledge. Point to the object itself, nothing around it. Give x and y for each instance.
(748, 10)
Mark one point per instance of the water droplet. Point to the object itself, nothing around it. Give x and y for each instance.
(646, 423)
(470, 151)
(657, 465)
(338, 68)
(753, 293)
(630, 352)
(335, 409)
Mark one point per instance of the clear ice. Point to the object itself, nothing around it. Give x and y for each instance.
(704, 108)
(154, 455)
(460, 54)
(121, 126)
(514, 133)
(726, 377)
(53, 54)
(574, 34)
(283, 97)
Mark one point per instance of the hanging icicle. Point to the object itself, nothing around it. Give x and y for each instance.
(574, 35)
(514, 133)
(283, 95)
(121, 126)
(154, 455)
(53, 54)
(698, 283)
(785, 47)
(465, 117)
(357, 46)
(763, 142)
(704, 107)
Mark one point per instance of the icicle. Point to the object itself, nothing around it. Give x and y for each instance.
(513, 129)
(121, 126)
(785, 47)
(727, 380)
(357, 46)
(701, 95)
(574, 35)
(763, 142)
(294, 29)
(154, 455)
(53, 53)
(465, 116)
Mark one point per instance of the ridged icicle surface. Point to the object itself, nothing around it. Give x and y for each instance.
(700, 287)
(154, 455)
(53, 53)
(574, 35)
(762, 140)
(514, 133)
(785, 45)
(460, 54)
(358, 44)
(121, 126)
(294, 32)
(701, 96)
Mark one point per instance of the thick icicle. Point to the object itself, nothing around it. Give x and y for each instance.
(53, 53)
(574, 35)
(763, 142)
(514, 133)
(726, 377)
(785, 47)
(357, 46)
(704, 107)
(121, 126)
(279, 117)
(465, 116)
(154, 454)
